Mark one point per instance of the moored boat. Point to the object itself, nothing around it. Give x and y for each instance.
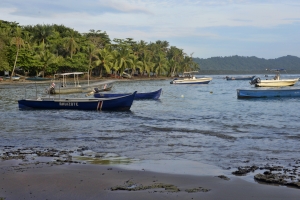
(189, 78)
(37, 78)
(118, 103)
(62, 87)
(139, 95)
(275, 82)
(267, 93)
(14, 78)
(237, 78)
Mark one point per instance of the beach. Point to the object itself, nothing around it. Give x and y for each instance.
(86, 181)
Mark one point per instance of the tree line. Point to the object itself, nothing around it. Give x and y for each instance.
(55, 48)
(247, 65)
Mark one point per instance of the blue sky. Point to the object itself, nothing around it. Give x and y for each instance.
(261, 28)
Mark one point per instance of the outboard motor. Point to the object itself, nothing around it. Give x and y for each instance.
(255, 81)
(173, 80)
(51, 89)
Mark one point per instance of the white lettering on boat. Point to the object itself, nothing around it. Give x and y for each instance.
(68, 103)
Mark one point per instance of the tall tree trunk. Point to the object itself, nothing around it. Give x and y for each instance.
(13, 71)
(100, 71)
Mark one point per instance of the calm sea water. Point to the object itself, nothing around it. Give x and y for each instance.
(195, 123)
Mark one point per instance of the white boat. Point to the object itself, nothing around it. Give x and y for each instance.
(14, 78)
(275, 82)
(189, 78)
(60, 84)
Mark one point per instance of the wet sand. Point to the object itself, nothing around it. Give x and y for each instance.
(27, 180)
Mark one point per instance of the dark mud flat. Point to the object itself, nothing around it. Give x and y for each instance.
(33, 173)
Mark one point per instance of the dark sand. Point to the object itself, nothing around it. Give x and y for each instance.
(86, 181)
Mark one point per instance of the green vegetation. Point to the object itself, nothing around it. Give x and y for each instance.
(247, 65)
(56, 48)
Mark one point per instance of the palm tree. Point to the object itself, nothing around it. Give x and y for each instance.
(123, 59)
(71, 44)
(46, 58)
(136, 63)
(161, 63)
(189, 65)
(177, 55)
(41, 33)
(104, 59)
(19, 42)
(91, 52)
(148, 65)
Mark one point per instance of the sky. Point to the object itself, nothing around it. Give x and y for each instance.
(202, 28)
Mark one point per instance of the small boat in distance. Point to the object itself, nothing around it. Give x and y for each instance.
(237, 78)
(267, 93)
(37, 78)
(189, 78)
(118, 103)
(139, 95)
(14, 78)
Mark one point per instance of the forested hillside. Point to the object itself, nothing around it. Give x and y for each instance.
(247, 65)
(49, 49)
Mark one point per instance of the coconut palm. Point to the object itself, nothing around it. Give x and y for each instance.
(123, 58)
(189, 65)
(71, 43)
(42, 33)
(104, 59)
(148, 65)
(136, 63)
(91, 52)
(177, 55)
(161, 63)
(46, 58)
(19, 43)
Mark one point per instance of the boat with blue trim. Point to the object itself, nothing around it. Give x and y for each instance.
(267, 93)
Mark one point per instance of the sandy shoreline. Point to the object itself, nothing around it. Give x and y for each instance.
(28, 180)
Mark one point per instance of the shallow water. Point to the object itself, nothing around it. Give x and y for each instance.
(204, 124)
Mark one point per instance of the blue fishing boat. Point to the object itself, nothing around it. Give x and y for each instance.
(267, 93)
(139, 95)
(118, 103)
(238, 78)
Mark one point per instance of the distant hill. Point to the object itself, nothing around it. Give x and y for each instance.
(247, 65)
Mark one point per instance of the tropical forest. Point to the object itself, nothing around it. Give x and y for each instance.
(56, 49)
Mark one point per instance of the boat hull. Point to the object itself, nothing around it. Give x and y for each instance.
(36, 78)
(191, 81)
(119, 103)
(146, 95)
(269, 93)
(276, 83)
(14, 78)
